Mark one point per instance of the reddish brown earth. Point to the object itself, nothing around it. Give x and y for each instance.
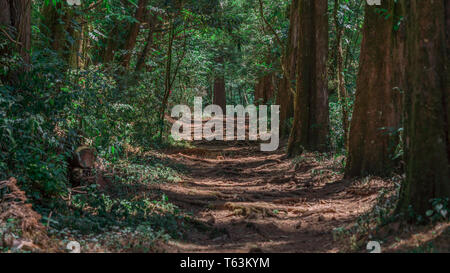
(251, 201)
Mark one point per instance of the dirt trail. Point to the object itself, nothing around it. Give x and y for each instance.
(245, 200)
(250, 201)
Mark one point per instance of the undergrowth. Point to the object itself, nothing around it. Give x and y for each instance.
(126, 216)
(384, 225)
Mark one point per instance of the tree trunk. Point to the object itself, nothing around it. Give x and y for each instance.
(220, 96)
(15, 27)
(6, 28)
(112, 44)
(52, 28)
(168, 78)
(342, 91)
(153, 23)
(133, 33)
(427, 105)
(285, 97)
(264, 89)
(378, 103)
(311, 122)
(84, 58)
(15, 24)
(60, 25)
(75, 31)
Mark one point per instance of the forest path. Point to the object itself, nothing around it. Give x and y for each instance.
(244, 200)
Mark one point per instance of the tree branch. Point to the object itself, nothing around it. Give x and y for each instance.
(10, 38)
(280, 43)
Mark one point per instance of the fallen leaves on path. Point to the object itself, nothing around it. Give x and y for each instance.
(265, 201)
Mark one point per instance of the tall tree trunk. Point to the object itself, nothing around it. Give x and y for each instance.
(153, 23)
(427, 113)
(342, 91)
(61, 26)
(285, 97)
(15, 27)
(15, 24)
(168, 79)
(377, 111)
(264, 89)
(52, 26)
(111, 45)
(133, 33)
(311, 122)
(75, 31)
(83, 54)
(220, 96)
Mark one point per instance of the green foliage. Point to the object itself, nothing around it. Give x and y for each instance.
(350, 15)
(336, 127)
(441, 209)
(94, 213)
(52, 106)
(30, 119)
(367, 225)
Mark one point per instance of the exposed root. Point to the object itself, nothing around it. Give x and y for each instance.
(249, 211)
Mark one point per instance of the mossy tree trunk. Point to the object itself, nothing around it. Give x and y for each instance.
(427, 105)
(61, 25)
(75, 48)
(310, 129)
(339, 71)
(285, 97)
(377, 111)
(52, 26)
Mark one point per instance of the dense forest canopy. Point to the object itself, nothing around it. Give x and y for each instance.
(87, 87)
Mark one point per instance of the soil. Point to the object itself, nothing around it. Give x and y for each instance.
(245, 200)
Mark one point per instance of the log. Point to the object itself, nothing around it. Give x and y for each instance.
(84, 157)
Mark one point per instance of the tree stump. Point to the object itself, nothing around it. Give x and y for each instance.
(82, 162)
(84, 158)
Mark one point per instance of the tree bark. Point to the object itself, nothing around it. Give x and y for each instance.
(285, 97)
(264, 89)
(15, 24)
(75, 31)
(133, 33)
(153, 24)
(378, 103)
(311, 122)
(111, 45)
(342, 91)
(427, 106)
(61, 26)
(52, 28)
(220, 96)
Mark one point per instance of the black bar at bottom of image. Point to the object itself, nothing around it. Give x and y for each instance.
(223, 262)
